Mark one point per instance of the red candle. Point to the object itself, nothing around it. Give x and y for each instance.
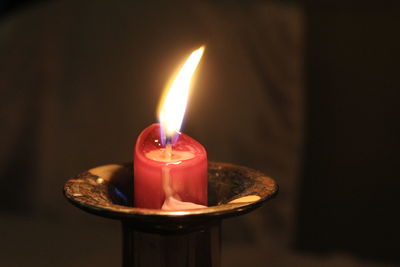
(170, 168)
(179, 177)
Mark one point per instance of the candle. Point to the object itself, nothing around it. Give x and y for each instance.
(170, 168)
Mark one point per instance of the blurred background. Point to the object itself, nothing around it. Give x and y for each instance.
(304, 91)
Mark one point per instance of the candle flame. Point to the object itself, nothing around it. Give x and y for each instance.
(174, 100)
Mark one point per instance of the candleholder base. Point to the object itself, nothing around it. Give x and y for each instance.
(170, 238)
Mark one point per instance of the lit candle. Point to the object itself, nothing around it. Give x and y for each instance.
(170, 168)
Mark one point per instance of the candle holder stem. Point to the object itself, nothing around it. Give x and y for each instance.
(197, 248)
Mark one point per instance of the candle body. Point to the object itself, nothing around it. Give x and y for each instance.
(182, 176)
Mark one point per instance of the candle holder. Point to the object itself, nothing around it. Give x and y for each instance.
(170, 238)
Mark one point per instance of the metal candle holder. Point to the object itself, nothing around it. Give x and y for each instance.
(189, 238)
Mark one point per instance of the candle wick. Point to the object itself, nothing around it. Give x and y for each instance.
(168, 150)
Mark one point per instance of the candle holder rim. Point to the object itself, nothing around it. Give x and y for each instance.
(73, 193)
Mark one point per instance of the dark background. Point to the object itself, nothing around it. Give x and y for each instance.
(306, 92)
(352, 54)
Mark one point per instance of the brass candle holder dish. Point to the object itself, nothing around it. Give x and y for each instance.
(170, 238)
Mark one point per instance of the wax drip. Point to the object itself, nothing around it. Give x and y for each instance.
(172, 200)
(166, 182)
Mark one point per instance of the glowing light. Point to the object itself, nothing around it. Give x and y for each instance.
(173, 103)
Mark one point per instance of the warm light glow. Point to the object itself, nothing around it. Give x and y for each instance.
(173, 104)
